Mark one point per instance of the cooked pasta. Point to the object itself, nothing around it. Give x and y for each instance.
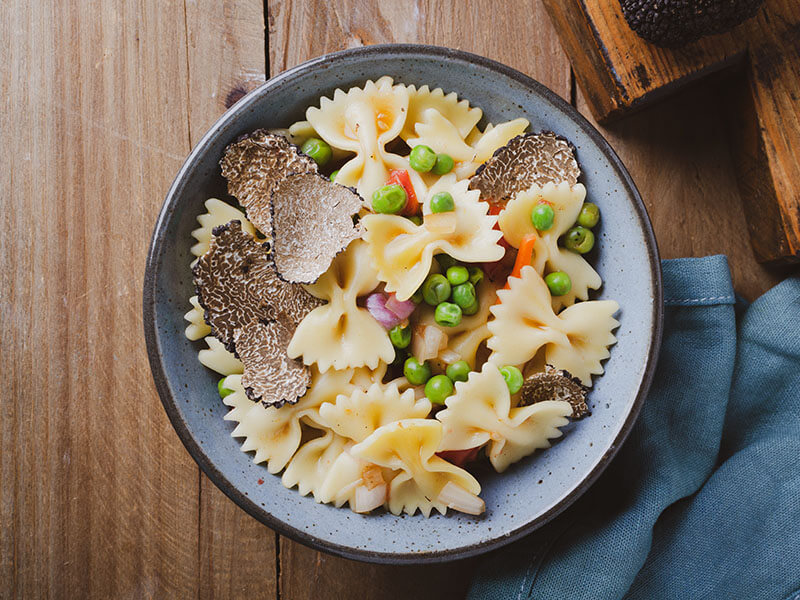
(425, 334)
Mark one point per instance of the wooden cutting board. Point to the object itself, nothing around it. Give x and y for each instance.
(620, 73)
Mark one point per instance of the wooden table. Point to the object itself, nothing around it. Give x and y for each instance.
(101, 102)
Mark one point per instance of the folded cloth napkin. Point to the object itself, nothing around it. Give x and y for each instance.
(703, 499)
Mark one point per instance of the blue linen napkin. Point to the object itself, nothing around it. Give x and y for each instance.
(703, 499)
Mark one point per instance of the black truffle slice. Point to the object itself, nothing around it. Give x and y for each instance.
(312, 223)
(270, 376)
(673, 23)
(531, 158)
(237, 283)
(253, 166)
(553, 384)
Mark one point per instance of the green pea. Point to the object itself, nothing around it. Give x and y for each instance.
(333, 175)
(457, 275)
(447, 314)
(579, 239)
(318, 150)
(558, 282)
(442, 202)
(416, 372)
(422, 158)
(464, 295)
(390, 199)
(513, 377)
(416, 220)
(445, 261)
(436, 289)
(458, 371)
(438, 388)
(443, 165)
(589, 215)
(400, 336)
(475, 275)
(416, 297)
(223, 391)
(542, 216)
(471, 309)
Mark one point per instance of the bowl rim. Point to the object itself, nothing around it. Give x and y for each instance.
(251, 507)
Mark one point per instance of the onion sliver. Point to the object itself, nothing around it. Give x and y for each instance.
(369, 499)
(457, 498)
(376, 305)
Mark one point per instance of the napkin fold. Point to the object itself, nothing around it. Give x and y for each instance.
(703, 499)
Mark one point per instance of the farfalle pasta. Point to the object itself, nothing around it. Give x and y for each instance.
(566, 203)
(480, 412)
(341, 334)
(576, 340)
(370, 362)
(402, 251)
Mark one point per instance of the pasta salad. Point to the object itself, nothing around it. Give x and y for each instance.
(397, 291)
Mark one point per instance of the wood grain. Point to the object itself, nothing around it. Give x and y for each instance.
(341, 24)
(98, 497)
(101, 102)
(620, 73)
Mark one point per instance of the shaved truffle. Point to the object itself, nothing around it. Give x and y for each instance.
(237, 283)
(312, 223)
(253, 166)
(269, 374)
(555, 385)
(532, 158)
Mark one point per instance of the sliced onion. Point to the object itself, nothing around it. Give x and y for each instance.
(449, 356)
(367, 500)
(457, 498)
(376, 305)
(428, 340)
(402, 308)
(443, 223)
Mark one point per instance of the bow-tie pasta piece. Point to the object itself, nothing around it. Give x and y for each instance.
(363, 121)
(436, 132)
(311, 464)
(197, 327)
(341, 334)
(403, 251)
(274, 434)
(254, 165)
(459, 113)
(576, 341)
(218, 359)
(485, 144)
(566, 201)
(531, 159)
(356, 416)
(480, 412)
(217, 213)
(425, 481)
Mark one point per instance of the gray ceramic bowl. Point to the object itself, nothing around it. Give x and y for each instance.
(531, 492)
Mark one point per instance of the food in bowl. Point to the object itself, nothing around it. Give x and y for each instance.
(401, 291)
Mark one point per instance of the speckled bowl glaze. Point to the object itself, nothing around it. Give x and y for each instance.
(531, 492)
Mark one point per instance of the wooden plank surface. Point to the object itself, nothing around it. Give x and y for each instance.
(102, 102)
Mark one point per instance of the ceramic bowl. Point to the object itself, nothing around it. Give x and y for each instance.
(531, 492)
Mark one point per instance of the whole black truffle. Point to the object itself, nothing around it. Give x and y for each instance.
(672, 23)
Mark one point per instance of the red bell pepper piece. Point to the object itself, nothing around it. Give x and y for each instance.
(459, 457)
(400, 177)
